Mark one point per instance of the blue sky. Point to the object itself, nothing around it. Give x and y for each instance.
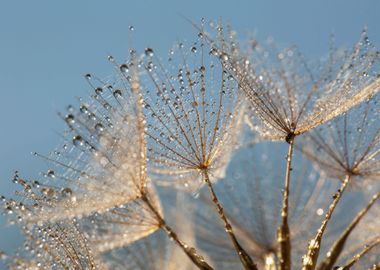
(47, 46)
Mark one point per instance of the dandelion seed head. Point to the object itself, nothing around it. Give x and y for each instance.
(289, 94)
(349, 144)
(193, 116)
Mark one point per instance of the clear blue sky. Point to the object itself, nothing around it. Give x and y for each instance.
(47, 46)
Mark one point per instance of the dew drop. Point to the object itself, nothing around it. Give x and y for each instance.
(117, 93)
(99, 127)
(88, 76)
(149, 52)
(50, 173)
(131, 28)
(124, 68)
(110, 58)
(224, 57)
(83, 109)
(132, 52)
(78, 140)
(9, 210)
(193, 49)
(70, 119)
(98, 90)
(213, 51)
(66, 192)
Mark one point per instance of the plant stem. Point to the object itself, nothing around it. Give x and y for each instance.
(356, 258)
(283, 232)
(191, 252)
(337, 247)
(243, 255)
(310, 259)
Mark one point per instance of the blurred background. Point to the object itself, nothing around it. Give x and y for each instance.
(47, 46)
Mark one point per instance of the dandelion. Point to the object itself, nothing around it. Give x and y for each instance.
(338, 246)
(288, 99)
(348, 147)
(161, 128)
(156, 251)
(196, 113)
(54, 246)
(103, 174)
(253, 200)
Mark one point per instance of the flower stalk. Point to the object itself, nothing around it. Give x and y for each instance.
(243, 255)
(310, 259)
(336, 249)
(191, 252)
(283, 232)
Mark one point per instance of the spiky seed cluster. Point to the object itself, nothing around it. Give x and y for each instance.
(193, 114)
(178, 123)
(57, 245)
(102, 163)
(253, 207)
(289, 95)
(350, 144)
(99, 175)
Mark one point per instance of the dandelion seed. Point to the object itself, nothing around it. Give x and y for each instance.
(253, 203)
(288, 99)
(345, 152)
(67, 249)
(350, 144)
(288, 96)
(196, 123)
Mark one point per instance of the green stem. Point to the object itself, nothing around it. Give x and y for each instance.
(243, 255)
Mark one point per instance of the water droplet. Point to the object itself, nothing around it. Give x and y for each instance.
(48, 191)
(117, 93)
(98, 90)
(149, 52)
(78, 140)
(193, 49)
(110, 58)
(213, 51)
(9, 210)
(50, 173)
(224, 57)
(131, 28)
(66, 192)
(99, 127)
(124, 68)
(70, 119)
(107, 106)
(132, 52)
(83, 109)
